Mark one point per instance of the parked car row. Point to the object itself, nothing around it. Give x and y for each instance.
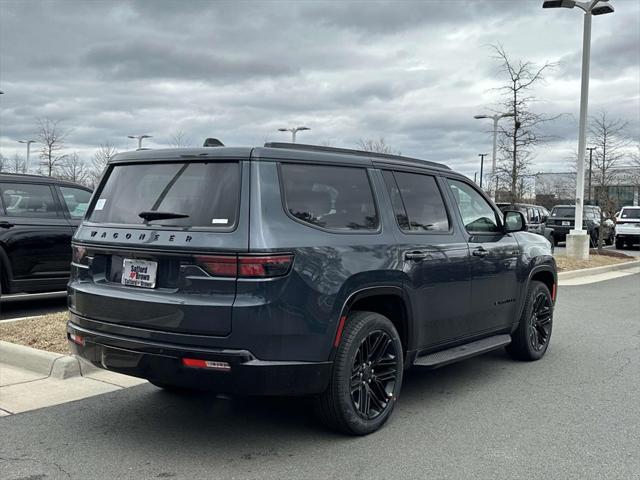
(623, 229)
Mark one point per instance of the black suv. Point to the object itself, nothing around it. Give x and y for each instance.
(301, 270)
(38, 216)
(562, 220)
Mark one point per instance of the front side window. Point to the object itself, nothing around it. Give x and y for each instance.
(182, 194)
(417, 202)
(329, 197)
(76, 200)
(477, 214)
(28, 200)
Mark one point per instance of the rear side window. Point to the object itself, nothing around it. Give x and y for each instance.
(194, 194)
(329, 197)
(28, 200)
(417, 202)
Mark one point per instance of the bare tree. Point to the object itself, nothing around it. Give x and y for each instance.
(17, 164)
(377, 146)
(610, 139)
(74, 169)
(179, 139)
(52, 138)
(517, 139)
(105, 152)
(3, 162)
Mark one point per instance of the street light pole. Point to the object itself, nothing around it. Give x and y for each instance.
(591, 149)
(577, 240)
(496, 118)
(293, 131)
(139, 138)
(482, 155)
(28, 142)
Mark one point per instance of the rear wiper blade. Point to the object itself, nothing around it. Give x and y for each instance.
(155, 215)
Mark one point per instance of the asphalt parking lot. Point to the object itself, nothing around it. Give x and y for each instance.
(574, 415)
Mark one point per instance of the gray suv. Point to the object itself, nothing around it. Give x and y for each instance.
(300, 270)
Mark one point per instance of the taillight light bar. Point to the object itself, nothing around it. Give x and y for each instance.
(246, 266)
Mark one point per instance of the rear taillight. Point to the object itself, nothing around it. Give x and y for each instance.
(246, 266)
(219, 266)
(264, 266)
(79, 256)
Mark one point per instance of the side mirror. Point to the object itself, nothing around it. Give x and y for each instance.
(514, 221)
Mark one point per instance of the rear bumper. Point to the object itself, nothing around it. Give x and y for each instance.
(163, 363)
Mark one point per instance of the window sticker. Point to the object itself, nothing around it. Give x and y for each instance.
(100, 203)
(219, 221)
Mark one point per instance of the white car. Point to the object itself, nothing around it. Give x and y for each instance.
(627, 227)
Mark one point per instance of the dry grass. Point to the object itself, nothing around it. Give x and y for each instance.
(47, 332)
(595, 260)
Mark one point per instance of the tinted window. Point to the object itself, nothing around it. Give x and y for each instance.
(207, 192)
(476, 212)
(28, 200)
(563, 212)
(330, 197)
(76, 201)
(417, 202)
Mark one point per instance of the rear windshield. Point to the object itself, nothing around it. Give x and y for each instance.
(630, 213)
(563, 212)
(205, 193)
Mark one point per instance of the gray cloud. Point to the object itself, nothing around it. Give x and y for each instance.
(412, 72)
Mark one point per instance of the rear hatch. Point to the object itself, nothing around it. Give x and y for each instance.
(159, 247)
(562, 216)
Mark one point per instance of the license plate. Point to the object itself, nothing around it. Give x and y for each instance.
(139, 273)
(566, 223)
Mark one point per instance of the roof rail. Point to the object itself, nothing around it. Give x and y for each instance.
(17, 174)
(348, 151)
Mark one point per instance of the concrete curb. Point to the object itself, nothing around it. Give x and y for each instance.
(585, 272)
(48, 364)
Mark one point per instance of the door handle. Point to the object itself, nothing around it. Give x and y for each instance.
(415, 256)
(480, 252)
(5, 224)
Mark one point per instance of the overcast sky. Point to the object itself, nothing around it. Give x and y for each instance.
(414, 72)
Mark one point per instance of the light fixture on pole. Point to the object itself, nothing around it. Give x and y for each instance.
(293, 131)
(578, 240)
(28, 143)
(139, 138)
(496, 118)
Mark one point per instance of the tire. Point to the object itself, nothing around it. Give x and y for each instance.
(609, 239)
(345, 409)
(555, 241)
(530, 343)
(619, 244)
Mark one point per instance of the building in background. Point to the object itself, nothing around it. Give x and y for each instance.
(554, 188)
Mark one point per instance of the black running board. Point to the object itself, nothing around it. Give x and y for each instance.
(462, 352)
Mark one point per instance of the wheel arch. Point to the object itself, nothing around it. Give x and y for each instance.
(390, 301)
(544, 273)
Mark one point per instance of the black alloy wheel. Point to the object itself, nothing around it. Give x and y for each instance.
(373, 374)
(530, 340)
(541, 318)
(366, 377)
